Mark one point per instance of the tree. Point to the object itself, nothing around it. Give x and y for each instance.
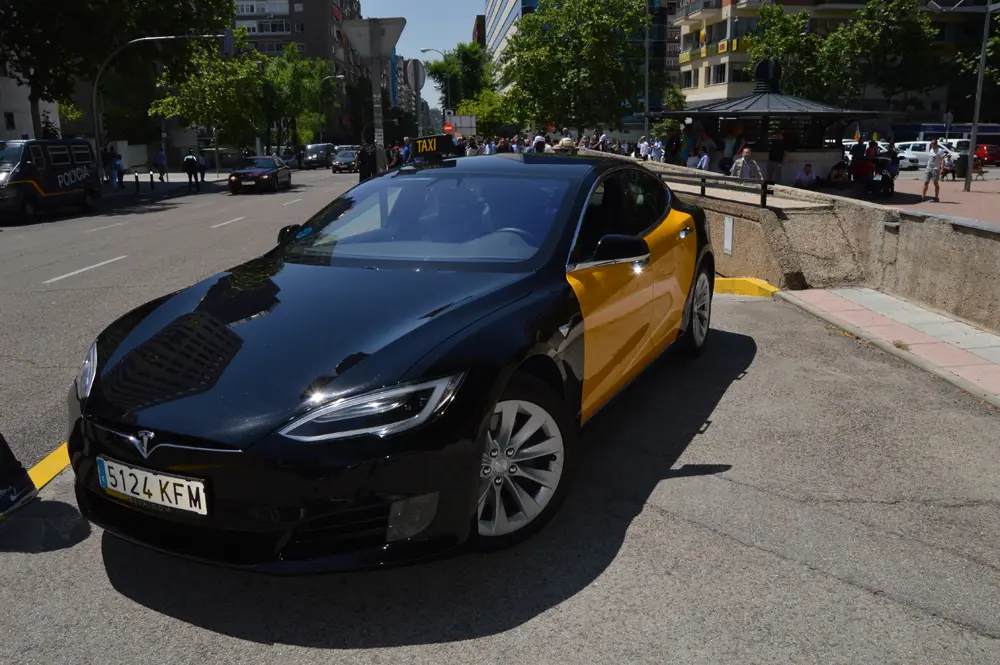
(224, 93)
(665, 126)
(292, 86)
(491, 111)
(674, 98)
(462, 74)
(573, 63)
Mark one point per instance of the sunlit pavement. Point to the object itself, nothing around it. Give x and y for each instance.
(794, 496)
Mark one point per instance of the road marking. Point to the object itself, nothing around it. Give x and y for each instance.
(77, 272)
(50, 467)
(229, 222)
(288, 203)
(199, 206)
(109, 226)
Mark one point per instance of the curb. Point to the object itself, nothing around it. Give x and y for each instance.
(916, 361)
(50, 467)
(744, 286)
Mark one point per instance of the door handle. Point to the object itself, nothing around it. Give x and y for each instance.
(684, 232)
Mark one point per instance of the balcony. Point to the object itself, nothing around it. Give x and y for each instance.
(695, 11)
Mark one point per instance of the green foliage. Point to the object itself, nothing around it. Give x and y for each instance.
(665, 127)
(293, 85)
(462, 74)
(224, 93)
(69, 111)
(491, 111)
(968, 58)
(310, 126)
(573, 63)
(673, 98)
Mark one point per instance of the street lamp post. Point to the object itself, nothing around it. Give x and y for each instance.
(104, 65)
(338, 77)
(447, 81)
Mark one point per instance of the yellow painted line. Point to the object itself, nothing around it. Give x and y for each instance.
(744, 286)
(50, 467)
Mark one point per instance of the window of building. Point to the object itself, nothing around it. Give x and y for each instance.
(278, 27)
(739, 74)
(298, 7)
(277, 7)
(8, 120)
(300, 27)
(81, 154)
(719, 74)
(694, 80)
(744, 27)
(246, 8)
(59, 155)
(250, 26)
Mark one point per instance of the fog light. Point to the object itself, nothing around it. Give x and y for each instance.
(409, 517)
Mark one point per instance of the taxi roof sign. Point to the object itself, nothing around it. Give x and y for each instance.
(434, 147)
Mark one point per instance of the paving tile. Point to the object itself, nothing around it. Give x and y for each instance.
(867, 297)
(976, 340)
(911, 315)
(987, 376)
(991, 353)
(943, 354)
(949, 329)
(899, 332)
(827, 301)
(864, 318)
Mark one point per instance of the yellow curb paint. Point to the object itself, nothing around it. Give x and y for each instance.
(50, 467)
(744, 286)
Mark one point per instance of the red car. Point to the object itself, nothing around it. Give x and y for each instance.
(990, 154)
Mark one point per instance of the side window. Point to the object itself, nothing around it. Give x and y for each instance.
(918, 147)
(607, 211)
(81, 154)
(37, 157)
(648, 198)
(59, 155)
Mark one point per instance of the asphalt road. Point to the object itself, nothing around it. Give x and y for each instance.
(794, 496)
(49, 316)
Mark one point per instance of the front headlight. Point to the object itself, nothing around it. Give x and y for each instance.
(88, 370)
(382, 412)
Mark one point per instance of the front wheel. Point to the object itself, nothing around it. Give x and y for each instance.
(695, 336)
(528, 458)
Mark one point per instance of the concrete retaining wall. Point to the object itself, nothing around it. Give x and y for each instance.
(947, 264)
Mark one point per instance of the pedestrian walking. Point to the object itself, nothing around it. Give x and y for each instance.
(160, 162)
(191, 168)
(16, 486)
(202, 165)
(935, 165)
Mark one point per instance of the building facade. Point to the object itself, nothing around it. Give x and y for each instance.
(501, 22)
(16, 111)
(479, 31)
(713, 49)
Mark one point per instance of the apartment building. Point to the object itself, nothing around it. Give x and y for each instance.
(501, 22)
(15, 111)
(479, 30)
(713, 47)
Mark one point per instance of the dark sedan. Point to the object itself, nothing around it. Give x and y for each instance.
(403, 375)
(344, 162)
(260, 174)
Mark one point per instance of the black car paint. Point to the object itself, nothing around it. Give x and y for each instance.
(281, 174)
(331, 333)
(50, 186)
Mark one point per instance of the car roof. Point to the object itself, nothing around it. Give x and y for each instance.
(556, 165)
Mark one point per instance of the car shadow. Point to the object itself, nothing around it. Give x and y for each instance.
(43, 526)
(629, 448)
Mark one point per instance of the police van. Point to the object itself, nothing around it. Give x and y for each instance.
(38, 174)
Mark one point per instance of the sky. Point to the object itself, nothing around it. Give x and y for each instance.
(439, 24)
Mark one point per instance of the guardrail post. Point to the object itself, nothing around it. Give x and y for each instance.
(703, 187)
(151, 185)
(763, 194)
(136, 174)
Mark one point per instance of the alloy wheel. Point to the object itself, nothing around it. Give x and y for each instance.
(701, 309)
(522, 464)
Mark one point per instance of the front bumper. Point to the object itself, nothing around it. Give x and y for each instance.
(256, 184)
(284, 507)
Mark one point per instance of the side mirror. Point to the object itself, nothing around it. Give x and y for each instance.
(621, 248)
(287, 232)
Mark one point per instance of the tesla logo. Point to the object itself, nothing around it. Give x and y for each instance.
(141, 441)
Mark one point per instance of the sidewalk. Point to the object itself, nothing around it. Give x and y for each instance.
(955, 351)
(174, 180)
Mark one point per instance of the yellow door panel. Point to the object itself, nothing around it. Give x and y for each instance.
(614, 301)
(673, 246)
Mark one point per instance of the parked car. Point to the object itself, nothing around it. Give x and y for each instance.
(345, 162)
(260, 174)
(989, 153)
(403, 374)
(45, 174)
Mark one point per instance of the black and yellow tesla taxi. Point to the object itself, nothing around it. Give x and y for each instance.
(45, 174)
(402, 376)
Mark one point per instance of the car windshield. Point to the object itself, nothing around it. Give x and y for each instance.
(258, 163)
(10, 153)
(316, 149)
(347, 155)
(430, 216)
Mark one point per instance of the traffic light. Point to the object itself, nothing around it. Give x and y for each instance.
(228, 43)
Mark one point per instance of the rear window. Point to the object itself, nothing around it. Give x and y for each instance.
(992, 148)
(59, 155)
(318, 149)
(81, 154)
(435, 217)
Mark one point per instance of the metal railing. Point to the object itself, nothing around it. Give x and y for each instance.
(764, 187)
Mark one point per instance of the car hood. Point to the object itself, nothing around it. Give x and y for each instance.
(235, 356)
(253, 172)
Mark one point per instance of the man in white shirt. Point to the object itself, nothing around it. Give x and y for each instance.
(643, 148)
(704, 159)
(935, 164)
(806, 177)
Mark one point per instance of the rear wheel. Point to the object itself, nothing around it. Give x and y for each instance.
(695, 337)
(89, 201)
(29, 209)
(528, 458)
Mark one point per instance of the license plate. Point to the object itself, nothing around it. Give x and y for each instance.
(149, 487)
(877, 177)
(248, 182)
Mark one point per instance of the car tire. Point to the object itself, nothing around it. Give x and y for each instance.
(274, 184)
(694, 338)
(29, 209)
(89, 201)
(527, 504)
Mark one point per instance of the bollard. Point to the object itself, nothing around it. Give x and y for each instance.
(136, 182)
(151, 185)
